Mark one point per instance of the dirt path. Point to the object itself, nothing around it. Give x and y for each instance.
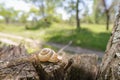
(18, 37)
(7, 38)
(7, 41)
(16, 40)
(77, 50)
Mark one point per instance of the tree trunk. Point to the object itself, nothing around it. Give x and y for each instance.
(42, 9)
(107, 15)
(7, 20)
(77, 15)
(107, 19)
(110, 66)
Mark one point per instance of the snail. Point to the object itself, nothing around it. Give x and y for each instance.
(47, 54)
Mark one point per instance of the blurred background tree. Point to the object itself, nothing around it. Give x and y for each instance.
(43, 11)
(9, 14)
(74, 7)
(105, 11)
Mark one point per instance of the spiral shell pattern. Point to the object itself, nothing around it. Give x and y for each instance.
(47, 54)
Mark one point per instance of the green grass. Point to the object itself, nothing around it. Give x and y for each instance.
(91, 36)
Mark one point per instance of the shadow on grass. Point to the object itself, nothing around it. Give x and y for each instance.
(84, 38)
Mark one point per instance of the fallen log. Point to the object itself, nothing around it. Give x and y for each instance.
(17, 64)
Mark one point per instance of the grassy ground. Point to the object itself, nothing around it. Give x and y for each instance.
(91, 36)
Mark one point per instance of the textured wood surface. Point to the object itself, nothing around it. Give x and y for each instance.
(17, 64)
(110, 66)
(13, 64)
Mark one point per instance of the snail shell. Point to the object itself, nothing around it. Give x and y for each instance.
(47, 54)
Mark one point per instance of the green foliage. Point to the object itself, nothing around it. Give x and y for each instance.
(23, 18)
(44, 7)
(88, 19)
(34, 10)
(9, 14)
(100, 18)
(53, 19)
(43, 23)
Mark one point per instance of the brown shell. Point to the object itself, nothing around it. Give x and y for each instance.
(47, 54)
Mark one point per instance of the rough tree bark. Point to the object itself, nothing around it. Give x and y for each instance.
(110, 66)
